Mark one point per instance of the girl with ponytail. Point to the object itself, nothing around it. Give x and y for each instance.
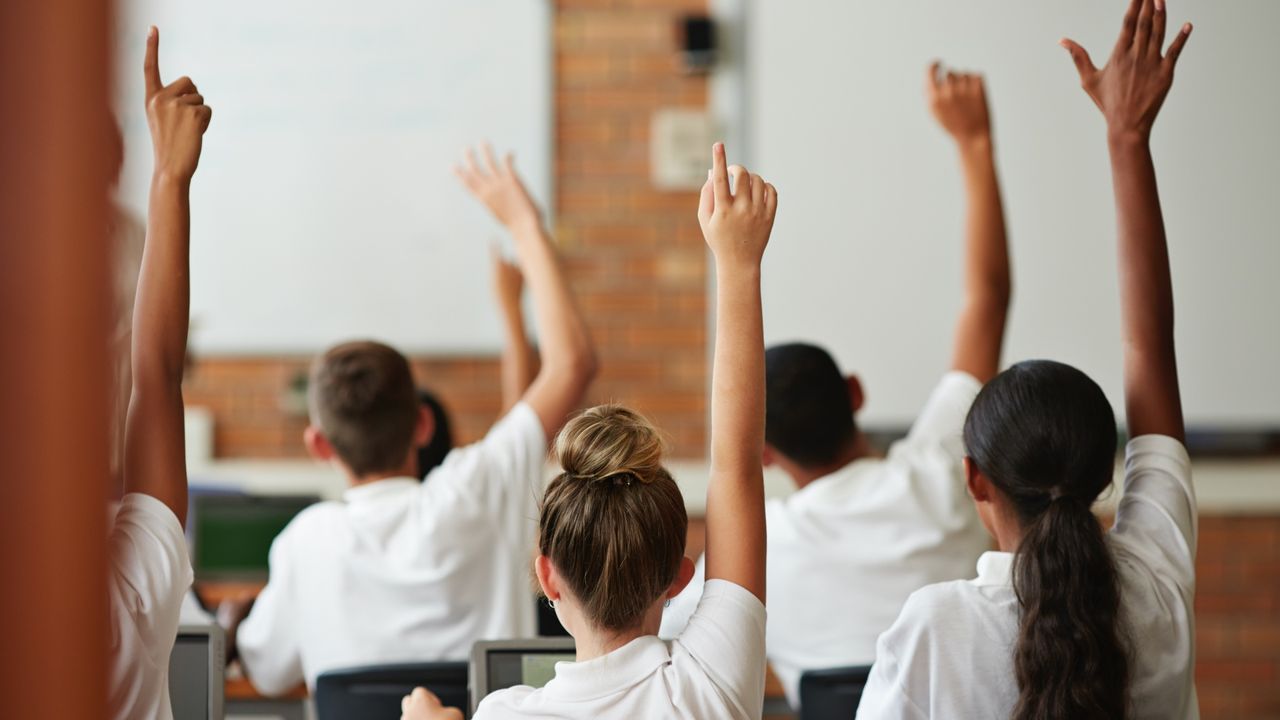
(1068, 621)
(611, 528)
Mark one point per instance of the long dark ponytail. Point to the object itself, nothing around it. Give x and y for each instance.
(1044, 434)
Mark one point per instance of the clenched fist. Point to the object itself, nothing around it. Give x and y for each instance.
(177, 116)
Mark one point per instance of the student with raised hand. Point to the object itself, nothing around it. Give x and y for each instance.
(150, 571)
(1066, 621)
(402, 570)
(862, 532)
(612, 525)
(518, 367)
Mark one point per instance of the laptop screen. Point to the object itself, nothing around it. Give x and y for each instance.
(233, 534)
(196, 673)
(534, 668)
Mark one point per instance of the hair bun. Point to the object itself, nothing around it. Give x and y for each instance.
(610, 444)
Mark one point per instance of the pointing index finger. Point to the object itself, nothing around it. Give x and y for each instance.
(151, 62)
(720, 175)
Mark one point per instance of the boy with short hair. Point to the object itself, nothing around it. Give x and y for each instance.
(862, 532)
(400, 569)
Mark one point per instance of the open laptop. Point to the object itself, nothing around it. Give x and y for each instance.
(498, 664)
(197, 671)
(231, 534)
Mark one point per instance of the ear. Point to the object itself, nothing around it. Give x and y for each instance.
(768, 456)
(425, 427)
(977, 483)
(547, 580)
(683, 576)
(317, 444)
(856, 396)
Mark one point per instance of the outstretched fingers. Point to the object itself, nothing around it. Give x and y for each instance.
(1175, 48)
(1080, 56)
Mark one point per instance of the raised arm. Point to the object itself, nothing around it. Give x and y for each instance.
(1129, 90)
(518, 358)
(155, 461)
(959, 103)
(568, 356)
(736, 226)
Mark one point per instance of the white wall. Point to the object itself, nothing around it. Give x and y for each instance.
(865, 257)
(324, 207)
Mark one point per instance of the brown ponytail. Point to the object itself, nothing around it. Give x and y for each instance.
(1044, 434)
(613, 523)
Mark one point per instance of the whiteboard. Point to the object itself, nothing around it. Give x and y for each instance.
(324, 208)
(866, 252)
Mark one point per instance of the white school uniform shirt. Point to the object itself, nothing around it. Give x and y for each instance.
(950, 654)
(403, 570)
(150, 573)
(715, 669)
(846, 551)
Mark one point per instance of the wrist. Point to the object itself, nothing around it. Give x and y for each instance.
(974, 146)
(1127, 138)
(729, 270)
(525, 225)
(163, 179)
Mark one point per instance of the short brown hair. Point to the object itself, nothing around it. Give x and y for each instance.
(613, 523)
(363, 399)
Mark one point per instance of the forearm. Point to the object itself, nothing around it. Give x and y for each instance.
(987, 283)
(1152, 398)
(162, 308)
(565, 341)
(517, 355)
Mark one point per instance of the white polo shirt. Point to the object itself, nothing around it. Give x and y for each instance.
(150, 573)
(404, 570)
(846, 551)
(950, 654)
(715, 669)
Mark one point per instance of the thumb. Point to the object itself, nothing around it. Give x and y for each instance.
(151, 62)
(1080, 56)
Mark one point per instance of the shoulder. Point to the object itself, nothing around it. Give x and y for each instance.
(314, 522)
(505, 703)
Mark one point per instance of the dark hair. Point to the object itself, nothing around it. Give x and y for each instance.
(613, 523)
(363, 399)
(431, 455)
(1045, 436)
(808, 411)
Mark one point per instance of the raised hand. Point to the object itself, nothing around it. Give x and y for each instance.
(958, 102)
(177, 116)
(508, 280)
(423, 704)
(736, 224)
(498, 187)
(1132, 86)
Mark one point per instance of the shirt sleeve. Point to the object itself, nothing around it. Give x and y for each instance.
(150, 569)
(504, 471)
(1156, 517)
(885, 694)
(267, 639)
(941, 422)
(725, 636)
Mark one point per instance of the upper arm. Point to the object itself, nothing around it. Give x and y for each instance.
(505, 470)
(1157, 514)
(151, 571)
(941, 421)
(979, 338)
(155, 462)
(554, 396)
(726, 635)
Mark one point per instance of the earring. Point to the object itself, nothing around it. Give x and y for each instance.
(551, 603)
(667, 604)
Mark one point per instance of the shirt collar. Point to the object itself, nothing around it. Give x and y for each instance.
(995, 569)
(609, 674)
(372, 492)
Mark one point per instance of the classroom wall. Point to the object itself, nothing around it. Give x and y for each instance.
(635, 254)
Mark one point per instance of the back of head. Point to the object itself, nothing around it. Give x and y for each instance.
(363, 399)
(613, 523)
(1044, 434)
(808, 411)
(431, 455)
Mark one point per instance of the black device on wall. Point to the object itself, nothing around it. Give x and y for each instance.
(697, 43)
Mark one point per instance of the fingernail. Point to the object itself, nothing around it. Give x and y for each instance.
(1159, 5)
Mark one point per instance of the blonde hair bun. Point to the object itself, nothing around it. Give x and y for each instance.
(611, 443)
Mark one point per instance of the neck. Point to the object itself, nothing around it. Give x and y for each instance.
(858, 448)
(591, 645)
(404, 471)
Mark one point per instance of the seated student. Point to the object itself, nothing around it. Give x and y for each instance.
(611, 529)
(403, 570)
(518, 362)
(150, 571)
(1067, 621)
(863, 532)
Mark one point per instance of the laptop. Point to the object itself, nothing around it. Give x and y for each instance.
(197, 672)
(231, 535)
(499, 664)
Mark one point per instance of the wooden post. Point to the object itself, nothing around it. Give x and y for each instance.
(54, 309)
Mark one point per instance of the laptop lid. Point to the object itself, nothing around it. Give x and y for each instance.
(499, 664)
(197, 672)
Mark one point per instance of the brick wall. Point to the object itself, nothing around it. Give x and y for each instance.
(637, 261)
(634, 254)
